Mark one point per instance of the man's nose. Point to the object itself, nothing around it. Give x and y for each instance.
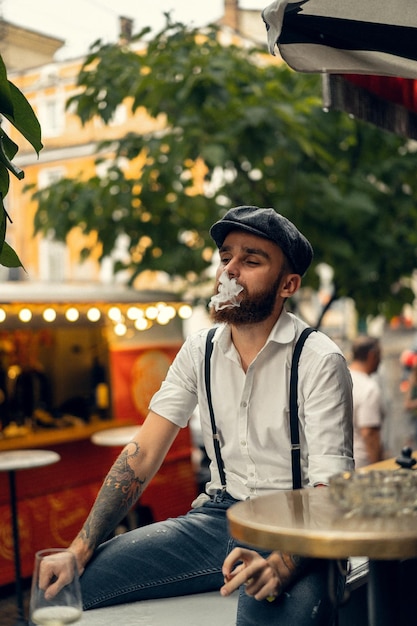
(232, 269)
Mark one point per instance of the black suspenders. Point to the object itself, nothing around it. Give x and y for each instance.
(294, 430)
(207, 378)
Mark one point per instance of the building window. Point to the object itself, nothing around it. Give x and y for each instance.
(49, 176)
(53, 260)
(51, 114)
(53, 255)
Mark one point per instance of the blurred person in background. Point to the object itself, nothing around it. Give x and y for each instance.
(410, 404)
(367, 401)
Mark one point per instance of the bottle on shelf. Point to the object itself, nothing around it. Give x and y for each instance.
(100, 396)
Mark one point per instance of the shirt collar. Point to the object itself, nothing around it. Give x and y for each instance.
(284, 329)
(283, 332)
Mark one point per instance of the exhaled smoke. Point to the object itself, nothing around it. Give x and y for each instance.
(228, 290)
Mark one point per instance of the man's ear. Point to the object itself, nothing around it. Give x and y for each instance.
(290, 285)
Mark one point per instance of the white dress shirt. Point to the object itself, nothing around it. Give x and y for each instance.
(367, 412)
(252, 408)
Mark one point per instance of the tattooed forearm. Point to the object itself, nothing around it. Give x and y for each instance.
(122, 478)
(120, 490)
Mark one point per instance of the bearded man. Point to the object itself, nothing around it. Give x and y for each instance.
(263, 257)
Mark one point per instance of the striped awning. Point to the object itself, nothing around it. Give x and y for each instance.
(366, 49)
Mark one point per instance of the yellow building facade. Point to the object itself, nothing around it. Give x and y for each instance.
(70, 149)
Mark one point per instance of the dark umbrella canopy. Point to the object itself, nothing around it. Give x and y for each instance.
(366, 49)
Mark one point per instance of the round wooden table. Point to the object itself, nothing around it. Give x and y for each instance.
(11, 461)
(307, 522)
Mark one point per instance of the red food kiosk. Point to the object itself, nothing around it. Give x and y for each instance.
(91, 358)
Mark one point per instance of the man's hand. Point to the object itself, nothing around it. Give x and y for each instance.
(264, 579)
(55, 572)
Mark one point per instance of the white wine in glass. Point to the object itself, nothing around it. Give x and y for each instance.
(55, 598)
(56, 615)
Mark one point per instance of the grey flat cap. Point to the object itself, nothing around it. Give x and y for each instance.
(271, 225)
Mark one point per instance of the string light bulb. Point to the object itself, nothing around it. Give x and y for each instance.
(130, 316)
(25, 315)
(151, 312)
(142, 323)
(134, 313)
(49, 314)
(72, 314)
(120, 329)
(114, 314)
(185, 311)
(93, 314)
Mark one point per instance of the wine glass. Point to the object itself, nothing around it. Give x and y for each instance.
(59, 606)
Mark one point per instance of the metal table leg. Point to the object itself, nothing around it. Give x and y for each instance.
(21, 621)
(391, 592)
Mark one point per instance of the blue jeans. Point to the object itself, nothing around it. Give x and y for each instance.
(185, 555)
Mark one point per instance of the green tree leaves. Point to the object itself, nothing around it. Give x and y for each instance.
(17, 110)
(232, 127)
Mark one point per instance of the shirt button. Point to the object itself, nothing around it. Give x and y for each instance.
(244, 404)
(243, 443)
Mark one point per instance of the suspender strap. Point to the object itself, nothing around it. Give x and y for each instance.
(294, 430)
(209, 350)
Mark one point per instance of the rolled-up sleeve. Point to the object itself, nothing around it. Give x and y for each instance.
(328, 417)
(177, 396)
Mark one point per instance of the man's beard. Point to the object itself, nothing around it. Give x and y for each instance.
(252, 309)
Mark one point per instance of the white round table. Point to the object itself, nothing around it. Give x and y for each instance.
(115, 436)
(12, 461)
